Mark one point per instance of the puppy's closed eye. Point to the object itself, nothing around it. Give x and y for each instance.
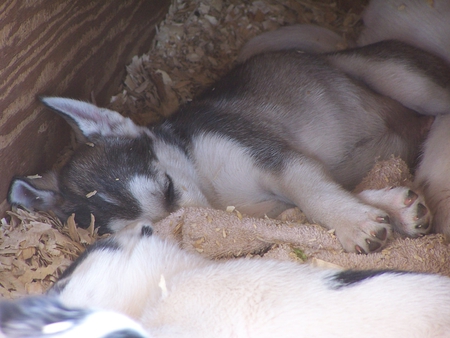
(169, 194)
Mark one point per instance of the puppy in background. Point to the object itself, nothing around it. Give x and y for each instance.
(172, 293)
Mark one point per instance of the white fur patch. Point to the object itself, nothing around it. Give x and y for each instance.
(254, 298)
(149, 191)
(184, 174)
(229, 176)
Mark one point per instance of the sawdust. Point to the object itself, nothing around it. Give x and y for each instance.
(35, 247)
(198, 42)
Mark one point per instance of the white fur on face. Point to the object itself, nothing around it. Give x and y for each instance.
(184, 175)
(149, 191)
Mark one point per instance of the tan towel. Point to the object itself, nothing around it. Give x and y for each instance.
(221, 234)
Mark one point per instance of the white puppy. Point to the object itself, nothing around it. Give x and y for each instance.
(176, 294)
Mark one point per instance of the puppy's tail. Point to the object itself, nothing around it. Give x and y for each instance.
(307, 38)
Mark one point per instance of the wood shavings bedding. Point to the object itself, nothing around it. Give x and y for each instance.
(198, 42)
(34, 248)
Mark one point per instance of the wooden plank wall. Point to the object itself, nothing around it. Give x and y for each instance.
(67, 48)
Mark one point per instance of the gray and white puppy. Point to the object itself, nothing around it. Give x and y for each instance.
(172, 293)
(282, 129)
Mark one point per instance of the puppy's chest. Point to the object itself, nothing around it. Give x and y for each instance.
(228, 173)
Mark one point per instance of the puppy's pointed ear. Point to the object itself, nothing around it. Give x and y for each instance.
(32, 196)
(88, 120)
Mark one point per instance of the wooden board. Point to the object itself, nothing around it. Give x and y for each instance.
(69, 48)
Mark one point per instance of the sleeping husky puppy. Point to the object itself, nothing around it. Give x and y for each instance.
(172, 293)
(282, 129)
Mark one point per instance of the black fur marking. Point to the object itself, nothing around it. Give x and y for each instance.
(101, 245)
(26, 317)
(170, 195)
(146, 231)
(124, 334)
(269, 150)
(351, 277)
(106, 168)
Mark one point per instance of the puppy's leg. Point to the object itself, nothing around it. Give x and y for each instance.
(359, 227)
(415, 78)
(432, 176)
(407, 210)
(424, 24)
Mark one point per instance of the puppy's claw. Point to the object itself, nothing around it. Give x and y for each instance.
(360, 250)
(384, 219)
(381, 234)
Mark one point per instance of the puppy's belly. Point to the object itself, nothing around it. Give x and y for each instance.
(231, 177)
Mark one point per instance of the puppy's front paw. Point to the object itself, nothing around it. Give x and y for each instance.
(367, 230)
(409, 214)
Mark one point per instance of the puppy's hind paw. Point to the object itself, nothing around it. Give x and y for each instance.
(409, 214)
